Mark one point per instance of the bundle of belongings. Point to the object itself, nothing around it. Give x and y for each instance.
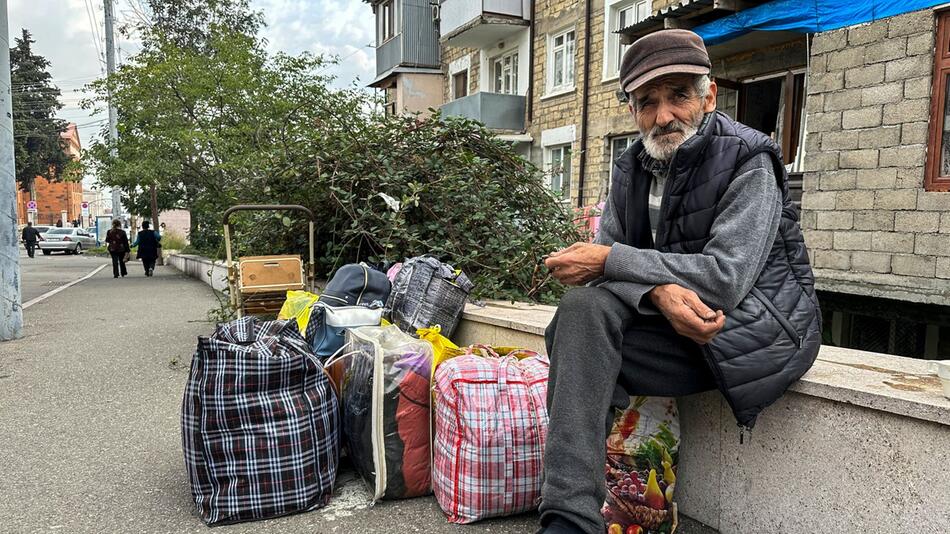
(642, 454)
(260, 427)
(491, 421)
(384, 397)
(270, 405)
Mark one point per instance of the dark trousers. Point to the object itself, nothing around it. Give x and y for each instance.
(602, 351)
(118, 264)
(30, 248)
(149, 264)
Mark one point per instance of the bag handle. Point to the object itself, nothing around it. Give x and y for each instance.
(482, 350)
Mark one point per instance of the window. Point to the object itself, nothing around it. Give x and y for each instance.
(460, 84)
(390, 106)
(505, 74)
(561, 73)
(559, 167)
(620, 14)
(774, 105)
(618, 145)
(937, 176)
(386, 17)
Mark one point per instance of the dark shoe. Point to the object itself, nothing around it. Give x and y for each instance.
(115, 276)
(559, 525)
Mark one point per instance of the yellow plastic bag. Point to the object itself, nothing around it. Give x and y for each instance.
(297, 306)
(443, 348)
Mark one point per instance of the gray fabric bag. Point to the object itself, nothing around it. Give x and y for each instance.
(427, 292)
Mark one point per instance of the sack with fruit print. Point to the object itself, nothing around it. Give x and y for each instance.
(642, 451)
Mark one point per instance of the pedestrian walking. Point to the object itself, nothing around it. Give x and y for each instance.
(148, 242)
(31, 236)
(118, 242)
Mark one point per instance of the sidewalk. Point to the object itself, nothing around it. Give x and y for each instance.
(89, 421)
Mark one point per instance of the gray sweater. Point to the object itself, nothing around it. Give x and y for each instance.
(723, 273)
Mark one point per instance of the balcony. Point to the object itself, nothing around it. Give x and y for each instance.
(479, 23)
(389, 55)
(494, 110)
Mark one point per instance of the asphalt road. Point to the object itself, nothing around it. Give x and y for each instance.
(41, 274)
(90, 402)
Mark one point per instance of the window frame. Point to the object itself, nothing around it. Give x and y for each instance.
(933, 181)
(512, 67)
(568, 62)
(792, 137)
(549, 152)
(630, 138)
(455, 95)
(386, 26)
(614, 47)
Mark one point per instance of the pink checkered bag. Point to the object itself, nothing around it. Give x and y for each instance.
(491, 420)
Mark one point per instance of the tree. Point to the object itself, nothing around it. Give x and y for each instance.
(39, 147)
(190, 23)
(227, 123)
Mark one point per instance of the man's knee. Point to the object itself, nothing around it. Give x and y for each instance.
(589, 303)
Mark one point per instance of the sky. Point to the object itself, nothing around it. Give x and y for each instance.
(70, 34)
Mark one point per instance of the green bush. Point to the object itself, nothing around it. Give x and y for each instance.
(172, 240)
(441, 186)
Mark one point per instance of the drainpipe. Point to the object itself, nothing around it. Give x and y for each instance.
(584, 105)
(531, 35)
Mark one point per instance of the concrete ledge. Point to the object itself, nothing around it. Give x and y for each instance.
(902, 386)
(860, 443)
(213, 273)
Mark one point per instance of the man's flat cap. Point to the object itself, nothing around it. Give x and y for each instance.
(662, 53)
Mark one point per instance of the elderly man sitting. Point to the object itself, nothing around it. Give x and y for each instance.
(698, 278)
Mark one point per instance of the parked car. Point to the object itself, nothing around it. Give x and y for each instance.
(94, 233)
(69, 240)
(42, 230)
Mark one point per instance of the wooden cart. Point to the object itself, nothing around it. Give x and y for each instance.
(258, 285)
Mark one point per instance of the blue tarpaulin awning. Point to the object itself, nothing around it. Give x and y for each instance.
(806, 16)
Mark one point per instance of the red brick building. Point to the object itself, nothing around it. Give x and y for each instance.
(52, 198)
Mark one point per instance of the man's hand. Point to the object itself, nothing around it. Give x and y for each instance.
(579, 263)
(688, 315)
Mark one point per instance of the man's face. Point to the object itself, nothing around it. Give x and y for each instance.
(668, 111)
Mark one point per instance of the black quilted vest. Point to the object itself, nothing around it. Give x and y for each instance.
(772, 337)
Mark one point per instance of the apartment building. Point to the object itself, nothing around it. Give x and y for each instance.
(407, 56)
(847, 97)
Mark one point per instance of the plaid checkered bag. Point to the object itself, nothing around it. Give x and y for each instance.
(260, 428)
(427, 293)
(490, 425)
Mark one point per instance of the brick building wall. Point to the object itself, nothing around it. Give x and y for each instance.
(451, 54)
(871, 227)
(52, 198)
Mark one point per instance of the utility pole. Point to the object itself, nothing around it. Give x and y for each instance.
(156, 225)
(11, 311)
(113, 118)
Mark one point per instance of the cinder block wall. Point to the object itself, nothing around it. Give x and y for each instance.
(866, 216)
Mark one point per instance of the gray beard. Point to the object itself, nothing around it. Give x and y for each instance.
(663, 151)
